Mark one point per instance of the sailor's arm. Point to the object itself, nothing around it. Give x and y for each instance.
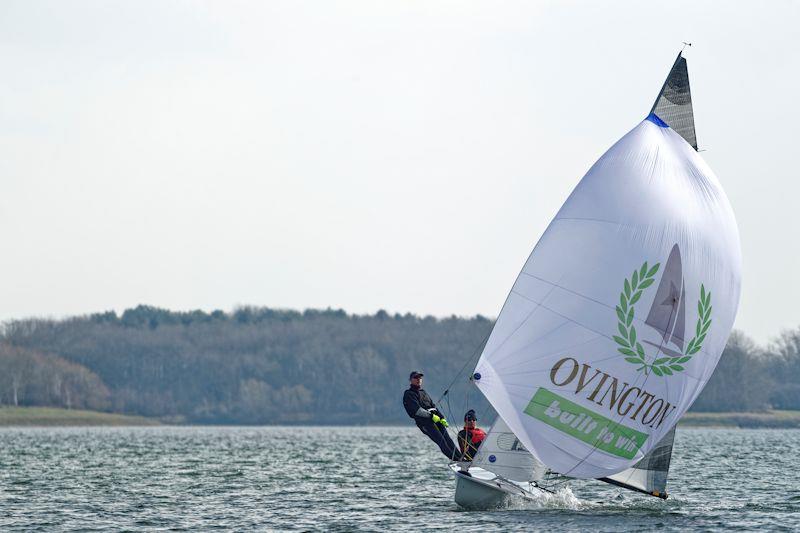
(414, 410)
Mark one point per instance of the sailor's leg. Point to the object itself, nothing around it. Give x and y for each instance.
(440, 437)
(452, 450)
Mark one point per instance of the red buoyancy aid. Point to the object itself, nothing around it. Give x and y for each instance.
(477, 435)
(469, 440)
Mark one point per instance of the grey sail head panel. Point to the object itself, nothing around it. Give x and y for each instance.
(674, 102)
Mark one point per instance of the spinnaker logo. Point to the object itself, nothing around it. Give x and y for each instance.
(622, 400)
(585, 425)
(667, 317)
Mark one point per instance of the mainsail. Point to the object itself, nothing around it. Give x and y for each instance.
(504, 455)
(620, 314)
(650, 474)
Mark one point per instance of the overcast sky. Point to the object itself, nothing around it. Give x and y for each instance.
(362, 155)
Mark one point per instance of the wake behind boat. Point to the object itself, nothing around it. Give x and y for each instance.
(596, 354)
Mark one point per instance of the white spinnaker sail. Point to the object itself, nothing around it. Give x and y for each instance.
(503, 454)
(622, 310)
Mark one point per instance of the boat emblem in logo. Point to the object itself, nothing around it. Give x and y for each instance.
(666, 319)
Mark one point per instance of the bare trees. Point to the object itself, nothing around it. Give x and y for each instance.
(28, 377)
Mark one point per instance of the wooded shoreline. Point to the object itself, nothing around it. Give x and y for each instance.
(57, 417)
(257, 366)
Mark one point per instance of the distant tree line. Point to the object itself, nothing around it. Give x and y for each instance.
(260, 365)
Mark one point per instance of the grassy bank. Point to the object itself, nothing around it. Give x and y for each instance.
(52, 416)
(767, 419)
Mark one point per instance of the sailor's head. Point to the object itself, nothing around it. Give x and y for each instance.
(416, 378)
(470, 419)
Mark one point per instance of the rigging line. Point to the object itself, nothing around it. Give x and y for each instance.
(541, 304)
(466, 447)
(498, 360)
(528, 316)
(505, 303)
(471, 357)
(567, 349)
(570, 291)
(447, 429)
(565, 317)
(599, 220)
(533, 357)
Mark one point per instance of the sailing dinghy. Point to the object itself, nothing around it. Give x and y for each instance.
(616, 321)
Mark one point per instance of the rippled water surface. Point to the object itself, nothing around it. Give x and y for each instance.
(347, 479)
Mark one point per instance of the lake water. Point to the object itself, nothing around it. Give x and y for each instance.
(345, 479)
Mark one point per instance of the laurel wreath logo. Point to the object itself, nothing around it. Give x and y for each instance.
(630, 347)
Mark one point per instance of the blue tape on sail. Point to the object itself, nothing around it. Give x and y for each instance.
(652, 117)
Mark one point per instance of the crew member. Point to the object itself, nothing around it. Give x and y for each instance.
(471, 437)
(429, 420)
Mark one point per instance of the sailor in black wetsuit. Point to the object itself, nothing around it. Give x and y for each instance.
(429, 420)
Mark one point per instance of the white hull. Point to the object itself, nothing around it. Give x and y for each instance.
(480, 489)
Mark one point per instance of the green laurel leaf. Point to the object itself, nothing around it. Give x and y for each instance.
(621, 341)
(640, 350)
(635, 297)
(646, 283)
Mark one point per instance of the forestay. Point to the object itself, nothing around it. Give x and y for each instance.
(622, 310)
(504, 455)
